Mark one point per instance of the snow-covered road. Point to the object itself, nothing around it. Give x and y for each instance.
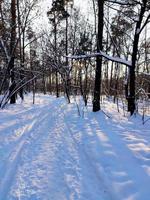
(48, 152)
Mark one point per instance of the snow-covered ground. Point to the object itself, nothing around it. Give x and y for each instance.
(49, 152)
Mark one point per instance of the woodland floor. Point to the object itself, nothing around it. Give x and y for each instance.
(49, 152)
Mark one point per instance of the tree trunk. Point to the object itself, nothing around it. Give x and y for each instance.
(21, 91)
(131, 98)
(97, 88)
(67, 82)
(12, 52)
(13, 84)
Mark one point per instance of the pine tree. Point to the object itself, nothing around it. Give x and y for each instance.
(98, 73)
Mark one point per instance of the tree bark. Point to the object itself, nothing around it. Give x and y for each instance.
(131, 98)
(98, 73)
(12, 52)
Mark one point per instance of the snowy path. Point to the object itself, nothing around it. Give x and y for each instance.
(48, 152)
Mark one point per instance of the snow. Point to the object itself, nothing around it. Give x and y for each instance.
(103, 54)
(49, 152)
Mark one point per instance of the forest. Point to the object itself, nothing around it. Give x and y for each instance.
(105, 52)
(74, 99)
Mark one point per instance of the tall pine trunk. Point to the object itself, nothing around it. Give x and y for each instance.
(131, 98)
(12, 53)
(98, 73)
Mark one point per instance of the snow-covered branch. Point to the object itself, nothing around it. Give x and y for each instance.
(124, 3)
(103, 54)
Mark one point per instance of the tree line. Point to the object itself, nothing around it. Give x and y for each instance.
(103, 53)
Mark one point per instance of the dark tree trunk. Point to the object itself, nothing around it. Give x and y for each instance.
(131, 98)
(57, 89)
(97, 88)
(86, 84)
(13, 85)
(55, 41)
(67, 82)
(21, 92)
(149, 91)
(12, 52)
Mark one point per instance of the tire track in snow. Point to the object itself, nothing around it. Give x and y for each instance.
(88, 163)
(31, 138)
(15, 156)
